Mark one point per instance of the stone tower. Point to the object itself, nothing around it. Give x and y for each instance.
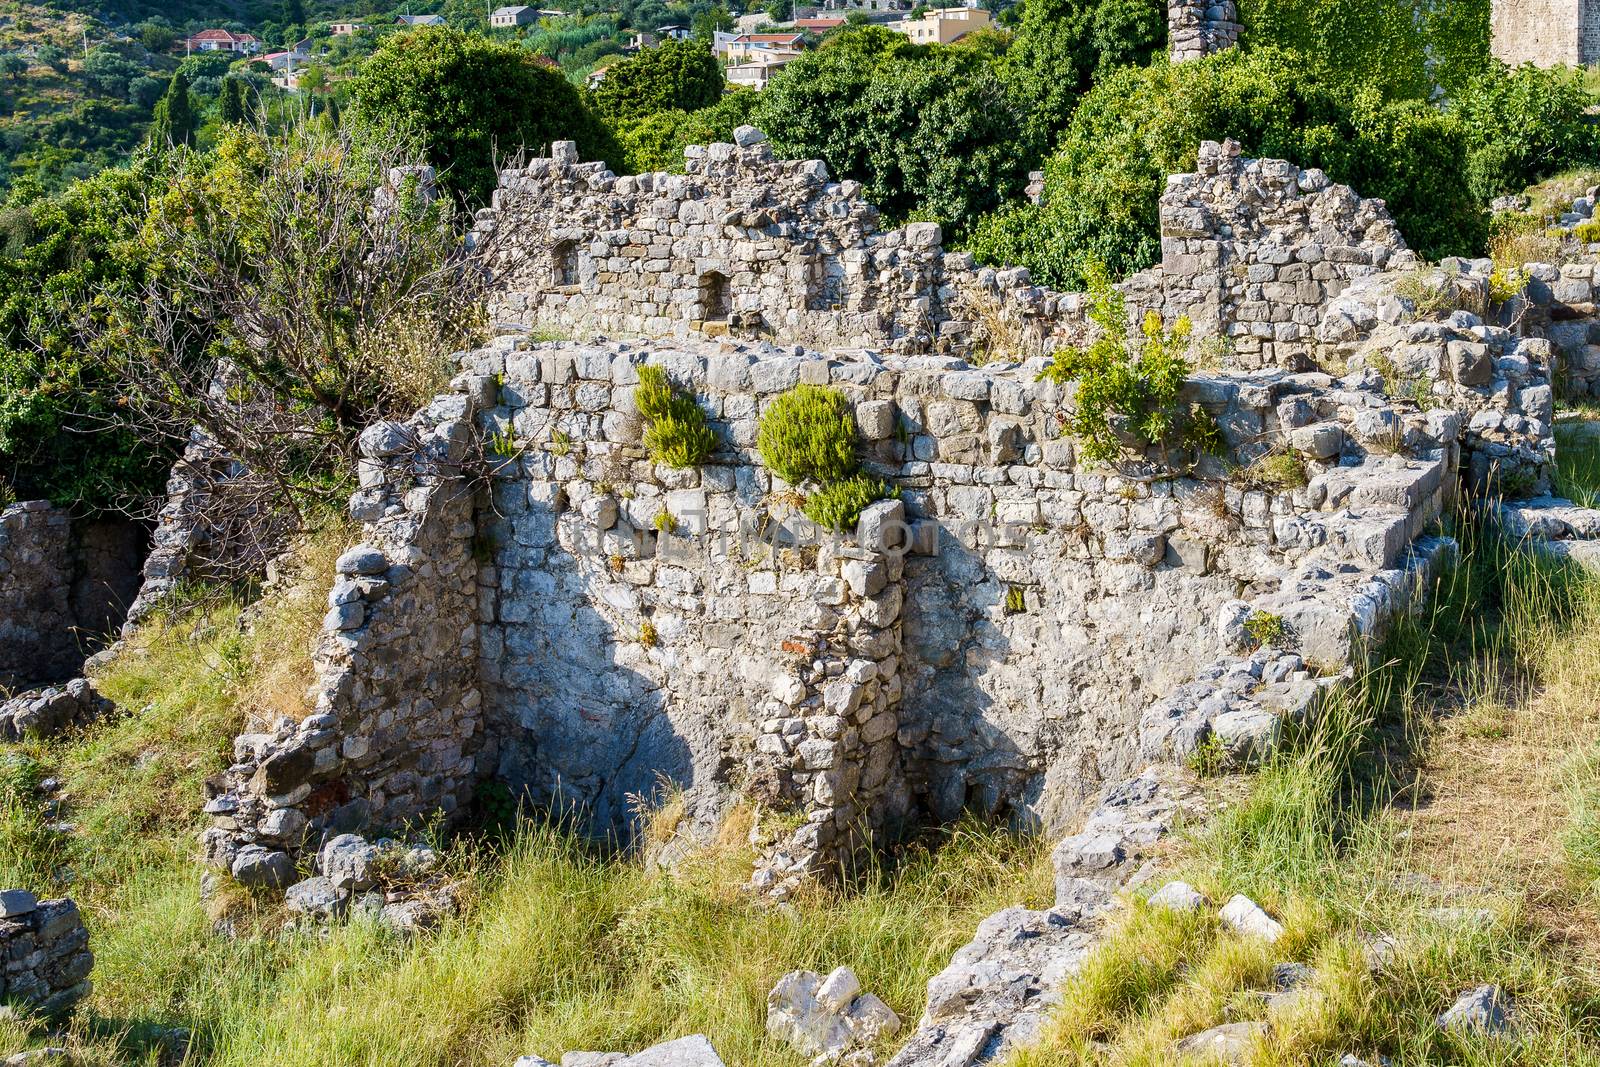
(1196, 28)
(1546, 33)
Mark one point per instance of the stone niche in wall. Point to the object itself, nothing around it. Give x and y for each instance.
(65, 585)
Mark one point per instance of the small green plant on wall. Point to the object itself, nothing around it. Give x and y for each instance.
(1266, 629)
(1127, 388)
(808, 438)
(676, 431)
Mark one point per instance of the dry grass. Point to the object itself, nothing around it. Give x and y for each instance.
(281, 671)
(997, 335)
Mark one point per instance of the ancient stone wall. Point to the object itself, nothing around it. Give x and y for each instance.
(1253, 248)
(744, 245)
(35, 593)
(1197, 28)
(396, 723)
(44, 953)
(1546, 33)
(993, 638)
(1015, 629)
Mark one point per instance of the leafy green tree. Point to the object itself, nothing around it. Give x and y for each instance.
(53, 57)
(231, 108)
(779, 10)
(56, 254)
(110, 72)
(1103, 184)
(1060, 47)
(472, 98)
(676, 74)
(206, 65)
(712, 19)
(156, 36)
(173, 121)
(1402, 48)
(927, 129)
(1524, 125)
(145, 90)
(14, 65)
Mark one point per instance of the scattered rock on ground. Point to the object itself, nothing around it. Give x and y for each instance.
(1229, 1043)
(1178, 896)
(1246, 916)
(1483, 1010)
(48, 712)
(692, 1051)
(827, 1017)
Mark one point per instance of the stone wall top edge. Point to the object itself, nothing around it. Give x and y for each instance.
(846, 366)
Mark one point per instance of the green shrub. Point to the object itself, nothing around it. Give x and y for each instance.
(677, 74)
(838, 505)
(1016, 600)
(1524, 124)
(676, 433)
(1506, 283)
(1279, 471)
(809, 434)
(1265, 628)
(1588, 231)
(471, 97)
(1123, 389)
(655, 142)
(653, 395)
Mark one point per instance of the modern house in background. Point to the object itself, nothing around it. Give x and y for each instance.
(506, 17)
(944, 25)
(751, 47)
(244, 44)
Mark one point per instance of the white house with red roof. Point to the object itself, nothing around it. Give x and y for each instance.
(245, 44)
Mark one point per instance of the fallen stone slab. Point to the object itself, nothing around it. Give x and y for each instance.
(1177, 896)
(1247, 917)
(51, 711)
(1483, 1009)
(1229, 1043)
(692, 1051)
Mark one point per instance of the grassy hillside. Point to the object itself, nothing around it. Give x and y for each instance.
(63, 115)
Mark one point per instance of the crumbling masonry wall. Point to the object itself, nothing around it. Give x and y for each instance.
(1197, 28)
(397, 719)
(747, 245)
(1546, 33)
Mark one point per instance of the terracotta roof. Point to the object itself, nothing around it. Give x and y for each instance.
(224, 35)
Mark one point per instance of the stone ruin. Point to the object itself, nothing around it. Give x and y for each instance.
(65, 581)
(1021, 632)
(1019, 629)
(1197, 28)
(1546, 33)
